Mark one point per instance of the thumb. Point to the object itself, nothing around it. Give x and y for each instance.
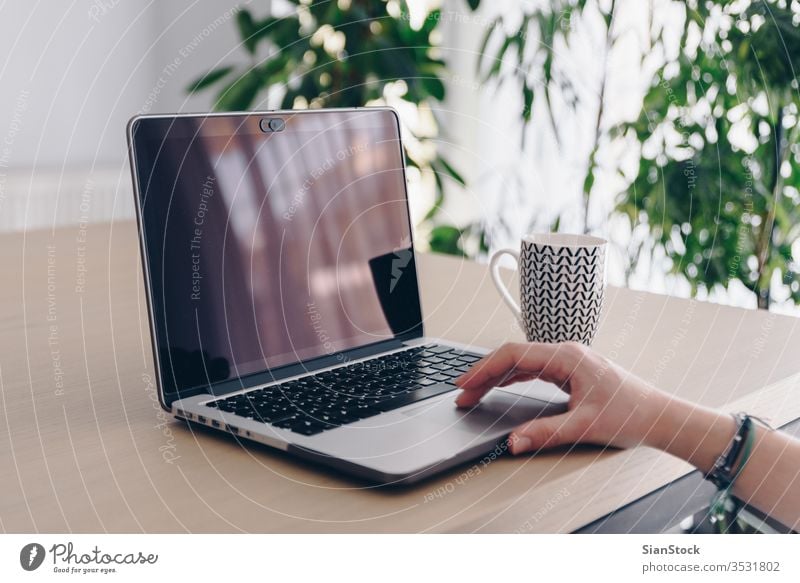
(545, 432)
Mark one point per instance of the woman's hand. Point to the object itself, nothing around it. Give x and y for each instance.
(607, 404)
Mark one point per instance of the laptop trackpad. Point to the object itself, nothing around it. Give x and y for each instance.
(498, 412)
(402, 443)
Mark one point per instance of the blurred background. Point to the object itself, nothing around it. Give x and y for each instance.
(669, 127)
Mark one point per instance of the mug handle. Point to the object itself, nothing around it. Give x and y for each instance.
(494, 269)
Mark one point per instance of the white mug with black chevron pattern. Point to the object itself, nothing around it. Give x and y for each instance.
(562, 280)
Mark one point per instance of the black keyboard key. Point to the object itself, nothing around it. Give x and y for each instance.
(288, 422)
(438, 349)
(310, 429)
(234, 408)
(362, 412)
(274, 416)
(334, 418)
(354, 414)
(408, 379)
(439, 378)
(303, 425)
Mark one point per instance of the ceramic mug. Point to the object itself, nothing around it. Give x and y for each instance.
(562, 280)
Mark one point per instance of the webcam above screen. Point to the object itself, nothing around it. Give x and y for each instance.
(269, 125)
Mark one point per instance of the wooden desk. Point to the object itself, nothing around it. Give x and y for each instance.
(84, 446)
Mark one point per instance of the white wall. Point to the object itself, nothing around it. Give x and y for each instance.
(73, 74)
(85, 67)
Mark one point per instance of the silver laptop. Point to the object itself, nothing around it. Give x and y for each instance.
(283, 296)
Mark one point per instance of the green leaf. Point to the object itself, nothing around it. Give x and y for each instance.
(247, 30)
(446, 239)
(434, 87)
(527, 95)
(497, 60)
(442, 165)
(439, 198)
(430, 23)
(484, 43)
(208, 79)
(588, 183)
(474, 4)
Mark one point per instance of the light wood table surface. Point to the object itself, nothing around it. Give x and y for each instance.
(85, 448)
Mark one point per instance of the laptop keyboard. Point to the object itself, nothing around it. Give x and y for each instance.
(347, 394)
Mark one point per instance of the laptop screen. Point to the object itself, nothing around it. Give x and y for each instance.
(266, 248)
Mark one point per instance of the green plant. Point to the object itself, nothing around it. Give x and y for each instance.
(345, 54)
(718, 184)
(717, 187)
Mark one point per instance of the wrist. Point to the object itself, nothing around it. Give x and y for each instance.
(691, 432)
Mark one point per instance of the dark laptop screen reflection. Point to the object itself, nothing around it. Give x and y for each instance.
(239, 286)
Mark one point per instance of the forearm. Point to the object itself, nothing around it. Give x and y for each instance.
(770, 480)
